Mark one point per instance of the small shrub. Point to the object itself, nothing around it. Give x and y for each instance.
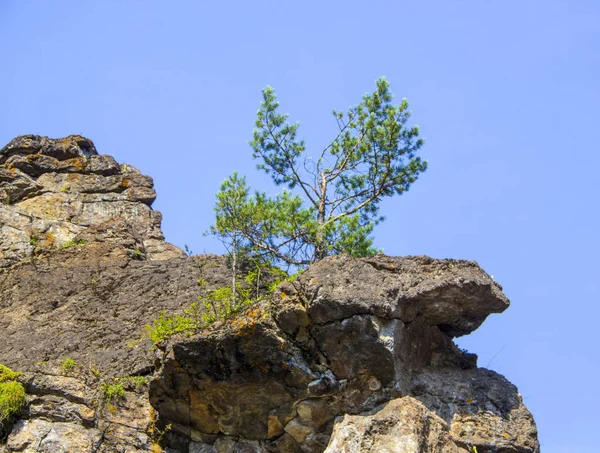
(136, 381)
(168, 325)
(157, 435)
(12, 394)
(68, 364)
(12, 399)
(113, 392)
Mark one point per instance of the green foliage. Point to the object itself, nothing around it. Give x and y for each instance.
(137, 254)
(12, 394)
(73, 243)
(337, 192)
(215, 304)
(113, 392)
(6, 374)
(12, 399)
(168, 325)
(68, 364)
(138, 382)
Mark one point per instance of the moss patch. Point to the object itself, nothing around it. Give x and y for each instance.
(12, 394)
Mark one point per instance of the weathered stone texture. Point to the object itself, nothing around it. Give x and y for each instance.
(283, 371)
(355, 355)
(52, 190)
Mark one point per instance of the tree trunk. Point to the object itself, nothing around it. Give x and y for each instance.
(234, 271)
(320, 245)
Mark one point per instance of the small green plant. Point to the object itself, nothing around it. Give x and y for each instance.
(113, 392)
(12, 394)
(95, 372)
(168, 325)
(12, 399)
(132, 342)
(136, 381)
(68, 244)
(137, 254)
(218, 303)
(157, 434)
(65, 189)
(34, 240)
(68, 364)
(72, 243)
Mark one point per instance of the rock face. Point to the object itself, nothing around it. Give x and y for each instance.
(347, 337)
(355, 355)
(52, 191)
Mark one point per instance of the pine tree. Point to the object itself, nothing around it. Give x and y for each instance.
(336, 194)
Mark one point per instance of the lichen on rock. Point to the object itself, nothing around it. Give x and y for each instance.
(53, 190)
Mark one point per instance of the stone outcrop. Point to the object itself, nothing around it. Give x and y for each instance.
(52, 191)
(346, 338)
(355, 355)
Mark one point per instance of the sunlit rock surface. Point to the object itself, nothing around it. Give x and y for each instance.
(355, 355)
(51, 191)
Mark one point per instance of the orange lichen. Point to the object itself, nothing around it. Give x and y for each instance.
(49, 240)
(79, 162)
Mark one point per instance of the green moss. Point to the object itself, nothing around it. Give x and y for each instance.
(12, 393)
(6, 374)
(12, 399)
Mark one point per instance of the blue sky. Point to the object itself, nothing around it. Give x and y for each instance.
(506, 93)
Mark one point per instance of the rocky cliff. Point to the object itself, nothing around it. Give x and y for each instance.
(53, 191)
(355, 355)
